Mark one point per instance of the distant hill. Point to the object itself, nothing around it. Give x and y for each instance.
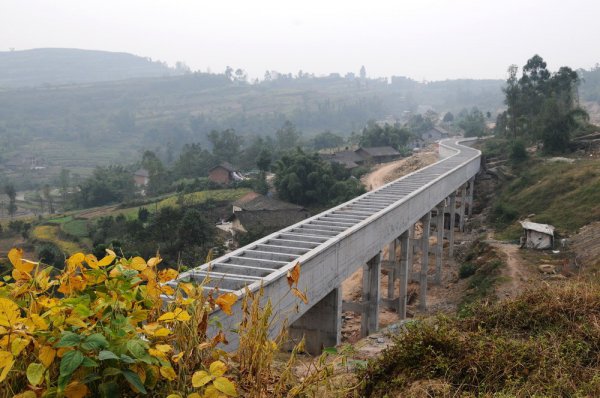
(57, 66)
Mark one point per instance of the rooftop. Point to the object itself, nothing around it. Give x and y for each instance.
(380, 151)
(227, 166)
(533, 226)
(259, 202)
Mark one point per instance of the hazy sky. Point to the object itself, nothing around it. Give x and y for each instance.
(422, 39)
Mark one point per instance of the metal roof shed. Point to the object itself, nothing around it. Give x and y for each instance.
(537, 236)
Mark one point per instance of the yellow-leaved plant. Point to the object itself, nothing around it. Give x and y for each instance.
(100, 327)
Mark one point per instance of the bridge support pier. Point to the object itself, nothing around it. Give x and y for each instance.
(405, 265)
(439, 247)
(470, 201)
(425, 221)
(452, 222)
(463, 210)
(321, 325)
(371, 296)
(392, 271)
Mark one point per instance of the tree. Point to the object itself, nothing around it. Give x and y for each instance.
(193, 161)
(240, 76)
(65, 182)
(542, 105)
(417, 124)
(327, 139)
(473, 123)
(10, 191)
(287, 137)
(306, 180)
(159, 179)
(48, 198)
(226, 144)
(448, 117)
(105, 185)
(388, 135)
(264, 160)
(229, 73)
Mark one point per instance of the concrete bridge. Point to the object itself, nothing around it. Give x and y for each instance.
(332, 245)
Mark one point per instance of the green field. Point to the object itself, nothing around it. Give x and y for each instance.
(77, 228)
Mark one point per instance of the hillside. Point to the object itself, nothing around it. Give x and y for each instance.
(57, 66)
(76, 126)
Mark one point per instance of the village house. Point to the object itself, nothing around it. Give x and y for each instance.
(537, 236)
(255, 212)
(434, 134)
(224, 173)
(349, 159)
(379, 154)
(141, 178)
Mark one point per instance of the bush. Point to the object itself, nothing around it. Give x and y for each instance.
(466, 270)
(518, 153)
(101, 328)
(107, 334)
(50, 254)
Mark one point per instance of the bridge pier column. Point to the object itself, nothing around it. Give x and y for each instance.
(452, 221)
(405, 261)
(439, 247)
(371, 296)
(425, 220)
(471, 188)
(463, 203)
(321, 325)
(392, 270)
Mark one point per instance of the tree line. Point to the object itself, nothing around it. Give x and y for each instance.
(542, 106)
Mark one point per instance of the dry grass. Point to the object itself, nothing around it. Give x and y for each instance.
(545, 342)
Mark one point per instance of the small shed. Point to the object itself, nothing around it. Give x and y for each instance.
(537, 236)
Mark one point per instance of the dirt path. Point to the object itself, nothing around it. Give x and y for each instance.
(387, 172)
(518, 273)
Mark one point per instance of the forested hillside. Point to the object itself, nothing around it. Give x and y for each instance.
(55, 66)
(82, 126)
